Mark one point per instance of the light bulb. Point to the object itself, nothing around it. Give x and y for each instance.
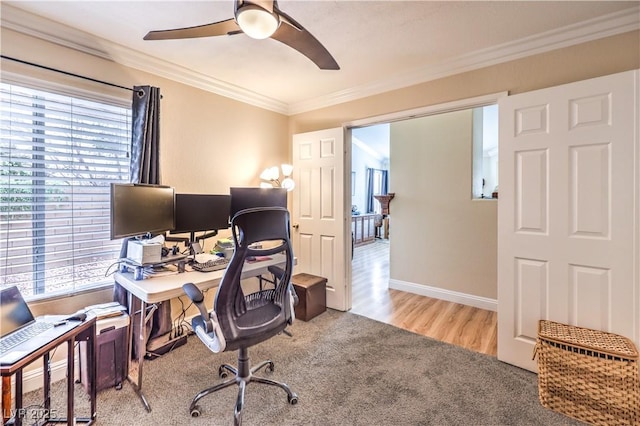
(288, 184)
(274, 172)
(286, 169)
(266, 174)
(257, 22)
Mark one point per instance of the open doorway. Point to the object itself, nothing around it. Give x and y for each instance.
(434, 184)
(370, 227)
(369, 179)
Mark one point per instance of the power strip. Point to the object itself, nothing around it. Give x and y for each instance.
(163, 345)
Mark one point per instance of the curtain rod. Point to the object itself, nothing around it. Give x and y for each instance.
(66, 73)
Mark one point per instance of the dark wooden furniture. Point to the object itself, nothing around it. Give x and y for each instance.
(312, 295)
(69, 333)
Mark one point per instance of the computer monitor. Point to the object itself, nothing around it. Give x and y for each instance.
(138, 209)
(201, 213)
(246, 198)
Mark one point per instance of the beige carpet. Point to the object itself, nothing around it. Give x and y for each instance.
(346, 370)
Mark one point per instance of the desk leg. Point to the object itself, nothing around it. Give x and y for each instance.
(142, 347)
(18, 413)
(46, 377)
(92, 364)
(6, 398)
(70, 382)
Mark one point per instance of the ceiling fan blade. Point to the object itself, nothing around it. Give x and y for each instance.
(304, 42)
(208, 30)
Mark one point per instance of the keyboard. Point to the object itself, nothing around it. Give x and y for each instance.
(23, 335)
(211, 265)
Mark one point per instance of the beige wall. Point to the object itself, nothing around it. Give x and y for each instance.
(208, 142)
(597, 58)
(440, 236)
(588, 60)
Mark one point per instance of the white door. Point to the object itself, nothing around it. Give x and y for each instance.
(567, 213)
(319, 218)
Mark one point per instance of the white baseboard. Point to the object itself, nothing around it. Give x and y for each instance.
(33, 379)
(443, 294)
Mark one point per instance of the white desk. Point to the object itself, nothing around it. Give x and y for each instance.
(158, 289)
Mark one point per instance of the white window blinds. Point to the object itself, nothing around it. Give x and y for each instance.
(59, 155)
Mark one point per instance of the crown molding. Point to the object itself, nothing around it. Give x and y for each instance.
(593, 29)
(24, 22)
(36, 26)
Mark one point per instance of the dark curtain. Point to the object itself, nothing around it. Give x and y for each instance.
(384, 186)
(145, 168)
(145, 135)
(369, 177)
(385, 181)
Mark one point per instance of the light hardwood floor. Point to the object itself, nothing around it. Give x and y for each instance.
(461, 325)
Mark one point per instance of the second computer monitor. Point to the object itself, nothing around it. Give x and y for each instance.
(246, 198)
(201, 213)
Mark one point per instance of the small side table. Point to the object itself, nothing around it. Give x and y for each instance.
(312, 295)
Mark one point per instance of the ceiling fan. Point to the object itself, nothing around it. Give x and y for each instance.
(258, 19)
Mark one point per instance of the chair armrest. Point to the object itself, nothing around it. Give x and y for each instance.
(206, 325)
(197, 298)
(213, 340)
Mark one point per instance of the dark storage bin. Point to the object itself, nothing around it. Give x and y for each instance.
(312, 295)
(111, 353)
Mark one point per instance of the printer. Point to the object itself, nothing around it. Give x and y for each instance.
(144, 252)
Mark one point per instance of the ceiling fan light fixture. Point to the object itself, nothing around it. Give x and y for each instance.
(257, 22)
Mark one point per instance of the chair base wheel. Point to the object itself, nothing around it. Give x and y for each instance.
(293, 399)
(195, 411)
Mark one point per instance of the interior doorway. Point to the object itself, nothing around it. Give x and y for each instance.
(370, 175)
(413, 197)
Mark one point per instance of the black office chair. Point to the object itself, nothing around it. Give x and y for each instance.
(239, 321)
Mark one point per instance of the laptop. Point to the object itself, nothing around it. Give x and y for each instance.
(18, 326)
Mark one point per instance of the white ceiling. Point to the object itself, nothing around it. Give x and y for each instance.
(376, 138)
(379, 45)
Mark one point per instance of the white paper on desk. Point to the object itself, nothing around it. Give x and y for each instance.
(204, 257)
(156, 239)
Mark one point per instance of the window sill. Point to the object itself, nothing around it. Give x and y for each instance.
(484, 199)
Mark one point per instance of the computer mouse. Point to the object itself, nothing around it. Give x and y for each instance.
(78, 316)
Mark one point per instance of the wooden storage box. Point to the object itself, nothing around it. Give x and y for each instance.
(312, 295)
(587, 374)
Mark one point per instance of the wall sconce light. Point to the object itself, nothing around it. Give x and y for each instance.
(271, 177)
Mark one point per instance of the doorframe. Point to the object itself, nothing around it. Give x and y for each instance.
(457, 105)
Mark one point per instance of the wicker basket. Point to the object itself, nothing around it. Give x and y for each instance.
(587, 374)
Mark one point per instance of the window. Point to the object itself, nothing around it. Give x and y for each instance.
(377, 185)
(485, 152)
(59, 155)
(378, 177)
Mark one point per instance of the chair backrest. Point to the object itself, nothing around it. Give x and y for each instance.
(249, 319)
